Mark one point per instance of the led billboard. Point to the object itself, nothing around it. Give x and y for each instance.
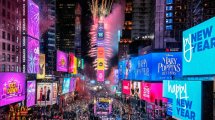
(62, 61)
(33, 53)
(100, 75)
(41, 74)
(185, 98)
(31, 93)
(72, 85)
(126, 87)
(199, 49)
(12, 87)
(71, 62)
(135, 89)
(44, 93)
(66, 84)
(100, 64)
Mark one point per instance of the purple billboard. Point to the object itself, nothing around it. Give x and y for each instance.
(12, 88)
(33, 19)
(62, 61)
(72, 85)
(31, 88)
(33, 52)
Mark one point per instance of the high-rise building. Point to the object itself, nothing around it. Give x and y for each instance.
(48, 38)
(65, 25)
(125, 39)
(10, 36)
(78, 30)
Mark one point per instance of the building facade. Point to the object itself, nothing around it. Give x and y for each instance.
(10, 36)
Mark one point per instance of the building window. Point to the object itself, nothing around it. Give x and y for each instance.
(3, 68)
(17, 39)
(8, 68)
(13, 38)
(169, 1)
(3, 12)
(169, 27)
(8, 57)
(8, 5)
(17, 68)
(13, 48)
(3, 23)
(3, 34)
(17, 58)
(4, 2)
(17, 48)
(8, 36)
(8, 47)
(3, 46)
(8, 15)
(12, 68)
(3, 57)
(168, 21)
(168, 8)
(169, 14)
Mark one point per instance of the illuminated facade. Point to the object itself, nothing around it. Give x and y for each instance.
(10, 36)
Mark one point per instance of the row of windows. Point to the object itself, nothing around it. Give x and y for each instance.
(9, 37)
(9, 68)
(9, 47)
(8, 14)
(9, 58)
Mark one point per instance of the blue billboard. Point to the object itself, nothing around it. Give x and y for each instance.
(185, 98)
(199, 49)
(66, 85)
(166, 66)
(121, 67)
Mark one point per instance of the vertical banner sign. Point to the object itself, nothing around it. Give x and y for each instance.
(62, 61)
(100, 75)
(54, 96)
(31, 93)
(100, 64)
(185, 98)
(75, 69)
(71, 62)
(100, 52)
(41, 74)
(126, 87)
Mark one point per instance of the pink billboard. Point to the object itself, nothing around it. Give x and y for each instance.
(31, 93)
(62, 61)
(72, 85)
(100, 75)
(12, 88)
(126, 87)
(152, 91)
(71, 62)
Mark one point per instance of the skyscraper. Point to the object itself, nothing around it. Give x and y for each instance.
(78, 30)
(10, 36)
(65, 25)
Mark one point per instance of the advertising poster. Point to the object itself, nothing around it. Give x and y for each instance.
(66, 84)
(166, 66)
(126, 87)
(72, 85)
(54, 96)
(75, 70)
(100, 32)
(186, 98)
(44, 93)
(12, 87)
(100, 52)
(100, 75)
(121, 67)
(71, 62)
(62, 61)
(135, 89)
(199, 49)
(42, 70)
(31, 93)
(33, 19)
(151, 92)
(100, 64)
(33, 53)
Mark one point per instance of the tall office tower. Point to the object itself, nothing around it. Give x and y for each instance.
(125, 39)
(199, 11)
(48, 37)
(10, 36)
(65, 25)
(78, 30)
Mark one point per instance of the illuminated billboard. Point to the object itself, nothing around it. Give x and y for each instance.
(126, 87)
(66, 84)
(72, 85)
(71, 62)
(33, 53)
(33, 20)
(100, 52)
(31, 93)
(75, 70)
(135, 89)
(185, 98)
(54, 96)
(62, 61)
(100, 75)
(12, 87)
(199, 49)
(100, 64)
(41, 74)
(100, 32)
(44, 93)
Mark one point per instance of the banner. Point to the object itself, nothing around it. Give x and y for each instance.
(199, 49)
(33, 51)
(31, 93)
(135, 89)
(185, 98)
(62, 61)
(100, 75)
(12, 87)
(126, 87)
(71, 62)
(42, 70)
(44, 93)
(75, 70)
(72, 85)
(100, 52)
(66, 84)
(100, 64)
(54, 98)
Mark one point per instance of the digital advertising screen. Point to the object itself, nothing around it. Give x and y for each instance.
(44, 93)
(12, 87)
(121, 67)
(135, 89)
(42, 70)
(33, 53)
(151, 92)
(101, 52)
(126, 87)
(199, 49)
(71, 62)
(185, 98)
(31, 93)
(72, 85)
(100, 32)
(62, 61)
(100, 64)
(75, 70)
(66, 84)
(33, 20)
(100, 75)
(54, 96)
